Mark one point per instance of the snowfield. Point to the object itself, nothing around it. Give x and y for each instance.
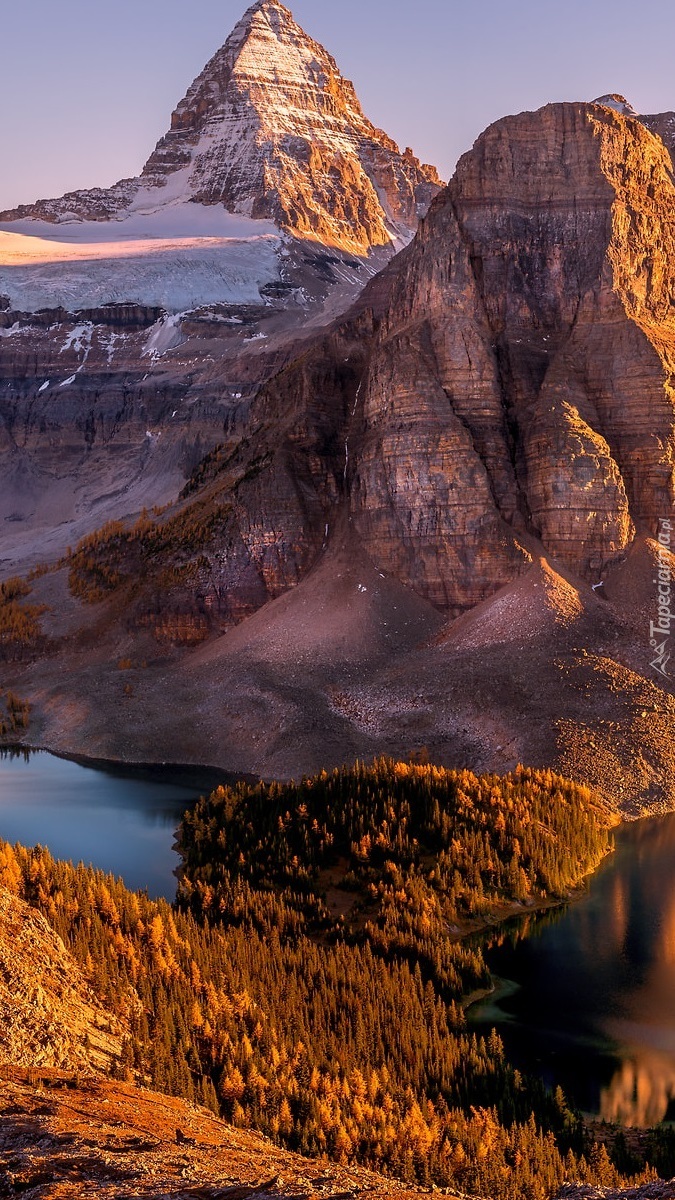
(177, 256)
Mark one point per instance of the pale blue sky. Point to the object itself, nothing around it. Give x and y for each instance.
(88, 87)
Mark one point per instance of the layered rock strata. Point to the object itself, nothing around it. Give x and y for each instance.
(517, 393)
(271, 129)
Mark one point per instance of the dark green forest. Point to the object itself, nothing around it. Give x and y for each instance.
(309, 980)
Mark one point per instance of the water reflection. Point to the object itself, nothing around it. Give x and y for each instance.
(591, 1001)
(122, 825)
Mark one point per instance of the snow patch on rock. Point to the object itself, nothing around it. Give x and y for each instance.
(618, 103)
(164, 335)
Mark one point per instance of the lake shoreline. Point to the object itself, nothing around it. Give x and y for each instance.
(519, 910)
(199, 776)
(589, 999)
(120, 822)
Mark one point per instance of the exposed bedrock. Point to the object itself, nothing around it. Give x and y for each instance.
(517, 390)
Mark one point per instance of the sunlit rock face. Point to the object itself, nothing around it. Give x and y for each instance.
(50, 1016)
(521, 383)
(273, 131)
(516, 393)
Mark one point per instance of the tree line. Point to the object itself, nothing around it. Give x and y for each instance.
(308, 982)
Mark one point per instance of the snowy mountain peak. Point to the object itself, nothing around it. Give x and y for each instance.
(270, 9)
(268, 6)
(268, 150)
(277, 16)
(618, 103)
(271, 130)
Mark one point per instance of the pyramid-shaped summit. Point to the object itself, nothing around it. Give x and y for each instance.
(271, 130)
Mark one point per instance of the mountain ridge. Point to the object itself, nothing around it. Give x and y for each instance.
(489, 432)
(271, 130)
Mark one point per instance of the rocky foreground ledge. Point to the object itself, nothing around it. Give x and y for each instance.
(65, 1137)
(659, 1190)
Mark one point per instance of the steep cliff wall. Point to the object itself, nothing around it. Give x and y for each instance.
(526, 360)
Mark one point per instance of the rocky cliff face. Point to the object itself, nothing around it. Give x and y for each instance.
(663, 125)
(517, 394)
(528, 354)
(439, 528)
(272, 130)
(50, 1016)
(107, 411)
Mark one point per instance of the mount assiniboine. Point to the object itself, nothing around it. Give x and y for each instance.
(268, 155)
(137, 322)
